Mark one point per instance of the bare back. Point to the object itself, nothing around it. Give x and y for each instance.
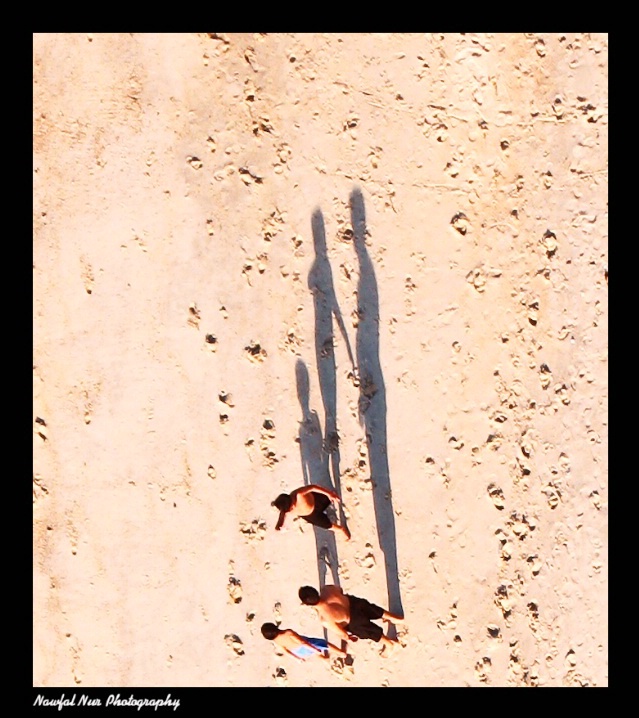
(333, 607)
(289, 640)
(302, 504)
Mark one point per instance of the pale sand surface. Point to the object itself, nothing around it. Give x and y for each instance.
(175, 182)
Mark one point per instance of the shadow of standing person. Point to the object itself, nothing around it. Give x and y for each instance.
(315, 471)
(320, 282)
(372, 400)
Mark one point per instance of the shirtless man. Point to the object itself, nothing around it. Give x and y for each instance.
(310, 503)
(300, 647)
(349, 616)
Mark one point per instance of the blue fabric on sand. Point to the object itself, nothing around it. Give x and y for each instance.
(306, 651)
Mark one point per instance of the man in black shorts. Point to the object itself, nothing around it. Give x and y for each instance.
(362, 615)
(309, 503)
(350, 617)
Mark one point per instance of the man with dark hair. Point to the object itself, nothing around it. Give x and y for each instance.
(309, 503)
(348, 616)
(300, 647)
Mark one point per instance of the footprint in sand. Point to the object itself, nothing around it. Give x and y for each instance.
(88, 407)
(595, 499)
(255, 530)
(249, 176)
(272, 225)
(234, 589)
(521, 525)
(40, 428)
(38, 488)
(535, 564)
(234, 643)
(267, 433)
(482, 669)
(494, 441)
(477, 278)
(194, 316)
(280, 676)
(451, 622)
(460, 223)
(343, 666)
(533, 616)
(255, 353)
(497, 496)
(506, 547)
(226, 398)
(87, 275)
(292, 341)
(502, 601)
(561, 390)
(553, 495)
(533, 313)
(211, 341)
(549, 243)
(402, 635)
(518, 672)
(368, 560)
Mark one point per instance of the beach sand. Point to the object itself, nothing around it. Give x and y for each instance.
(377, 262)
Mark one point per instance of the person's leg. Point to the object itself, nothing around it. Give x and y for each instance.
(388, 646)
(318, 517)
(322, 502)
(388, 616)
(374, 612)
(334, 649)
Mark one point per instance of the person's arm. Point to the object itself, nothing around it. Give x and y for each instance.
(343, 634)
(342, 328)
(280, 520)
(339, 629)
(314, 488)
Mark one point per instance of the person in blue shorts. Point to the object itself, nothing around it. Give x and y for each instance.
(300, 647)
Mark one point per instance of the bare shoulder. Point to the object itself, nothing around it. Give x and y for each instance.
(288, 639)
(330, 591)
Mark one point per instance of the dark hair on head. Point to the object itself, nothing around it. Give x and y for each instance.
(282, 502)
(270, 630)
(308, 596)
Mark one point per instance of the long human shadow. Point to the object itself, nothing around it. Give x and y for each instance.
(320, 282)
(315, 471)
(372, 400)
